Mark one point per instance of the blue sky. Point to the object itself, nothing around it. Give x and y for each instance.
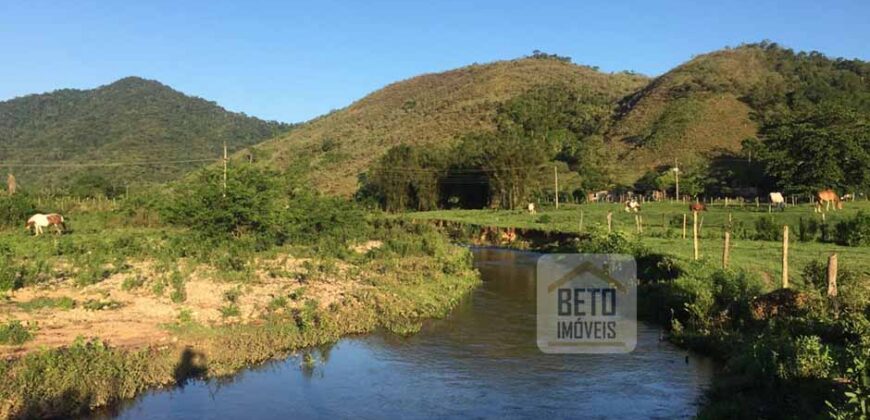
(292, 61)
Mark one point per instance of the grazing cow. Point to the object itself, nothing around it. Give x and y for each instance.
(40, 221)
(658, 195)
(777, 200)
(827, 197)
(697, 206)
(532, 208)
(597, 196)
(848, 197)
(632, 206)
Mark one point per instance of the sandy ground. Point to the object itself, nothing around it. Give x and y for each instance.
(141, 318)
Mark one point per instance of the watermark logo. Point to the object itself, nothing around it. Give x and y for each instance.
(587, 303)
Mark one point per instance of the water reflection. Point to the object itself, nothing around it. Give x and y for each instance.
(481, 361)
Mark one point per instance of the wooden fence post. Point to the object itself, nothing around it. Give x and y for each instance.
(832, 275)
(695, 233)
(785, 257)
(832, 284)
(725, 251)
(581, 220)
(609, 222)
(637, 224)
(684, 225)
(640, 220)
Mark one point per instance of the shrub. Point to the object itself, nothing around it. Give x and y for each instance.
(854, 231)
(16, 209)
(179, 293)
(14, 333)
(260, 207)
(766, 229)
(812, 359)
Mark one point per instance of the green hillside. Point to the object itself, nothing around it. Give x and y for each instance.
(426, 110)
(56, 138)
(712, 103)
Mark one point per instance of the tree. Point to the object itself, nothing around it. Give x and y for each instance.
(827, 147)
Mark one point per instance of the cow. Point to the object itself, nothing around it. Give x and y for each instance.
(597, 196)
(777, 200)
(697, 206)
(632, 206)
(531, 208)
(40, 221)
(827, 197)
(848, 197)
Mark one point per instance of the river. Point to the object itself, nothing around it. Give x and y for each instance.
(481, 361)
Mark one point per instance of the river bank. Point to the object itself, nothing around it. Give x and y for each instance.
(94, 345)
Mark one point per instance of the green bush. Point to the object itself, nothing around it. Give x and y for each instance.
(854, 231)
(261, 209)
(766, 229)
(16, 209)
(14, 333)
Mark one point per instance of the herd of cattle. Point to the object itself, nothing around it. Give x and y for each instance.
(826, 198)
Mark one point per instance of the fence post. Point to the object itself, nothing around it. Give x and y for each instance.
(725, 251)
(581, 220)
(832, 275)
(695, 233)
(609, 222)
(785, 256)
(832, 283)
(684, 225)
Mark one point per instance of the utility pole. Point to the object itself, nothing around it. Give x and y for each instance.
(556, 181)
(677, 178)
(225, 169)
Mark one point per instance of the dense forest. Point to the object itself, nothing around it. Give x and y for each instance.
(97, 139)
(810, 115)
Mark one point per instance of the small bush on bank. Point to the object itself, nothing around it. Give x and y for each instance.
(14, 333)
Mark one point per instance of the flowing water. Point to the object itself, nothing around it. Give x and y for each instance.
(481, 361)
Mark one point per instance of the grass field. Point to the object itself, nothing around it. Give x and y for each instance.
(662, 231)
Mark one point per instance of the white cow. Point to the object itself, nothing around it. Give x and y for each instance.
(632, 206)
(777, 200)
(531, 208)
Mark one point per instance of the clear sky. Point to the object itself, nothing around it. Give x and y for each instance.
(292, 61)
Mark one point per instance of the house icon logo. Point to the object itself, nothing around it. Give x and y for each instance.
(586, 303)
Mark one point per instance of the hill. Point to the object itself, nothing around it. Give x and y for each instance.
(425, 110)
(57, 137)
(710, 104)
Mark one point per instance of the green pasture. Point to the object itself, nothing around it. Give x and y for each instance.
(662, 230)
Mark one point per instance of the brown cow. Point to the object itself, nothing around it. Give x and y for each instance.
(698, 206)
(827, 197)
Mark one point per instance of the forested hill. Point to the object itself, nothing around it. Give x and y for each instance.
(432, 109)
(100, 136)
(706, 107)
